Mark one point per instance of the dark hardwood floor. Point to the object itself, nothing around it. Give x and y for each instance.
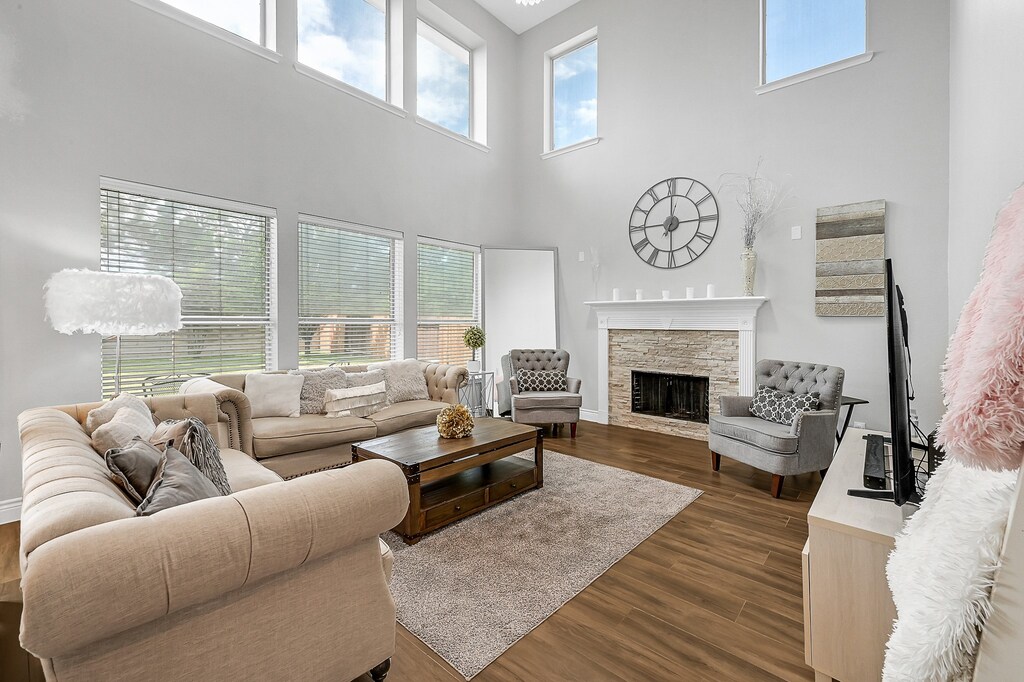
(715, 594)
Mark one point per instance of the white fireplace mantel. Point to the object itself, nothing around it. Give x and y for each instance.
(737, 313)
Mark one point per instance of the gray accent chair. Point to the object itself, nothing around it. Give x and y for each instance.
(808, 444)
(539, 407)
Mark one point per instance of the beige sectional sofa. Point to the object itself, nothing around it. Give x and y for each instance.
(296, 446)
(279, 580)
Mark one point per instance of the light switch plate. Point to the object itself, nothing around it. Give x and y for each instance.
(582, 256)
(797, 232)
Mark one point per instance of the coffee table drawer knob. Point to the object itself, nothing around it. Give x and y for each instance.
(458, 508)
(514, 486)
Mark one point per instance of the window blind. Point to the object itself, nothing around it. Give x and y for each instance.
(221, 259)
(448, 300)
(350, 293)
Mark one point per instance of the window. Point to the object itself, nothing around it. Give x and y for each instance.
(572, 92)
(347, 40)
(221, 255)
(252, 20)
(447, 299)
(350, 293)
(800, 35)
(443, 80)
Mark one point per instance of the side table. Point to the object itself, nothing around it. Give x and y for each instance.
(849, 402)
(478, 394)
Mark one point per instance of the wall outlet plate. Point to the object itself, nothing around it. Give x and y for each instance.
(858, 425)
(797, 232)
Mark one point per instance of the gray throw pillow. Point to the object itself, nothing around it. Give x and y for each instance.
(177, 483)
(192, 438)
(781, 407)
(316, 383)
(134, 467)
(533, 380)
(403, 379)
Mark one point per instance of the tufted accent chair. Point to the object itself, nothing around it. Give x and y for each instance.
(807, 444)
(539, 407)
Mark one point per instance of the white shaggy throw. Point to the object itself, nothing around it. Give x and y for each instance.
(941, 573)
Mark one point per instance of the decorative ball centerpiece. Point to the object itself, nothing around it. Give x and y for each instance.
(455, 421)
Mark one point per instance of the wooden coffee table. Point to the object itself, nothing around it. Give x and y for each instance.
(452, 479)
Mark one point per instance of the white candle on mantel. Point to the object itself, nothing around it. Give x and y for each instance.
(639, 294)
(711, 291)
(616, 294)
(665, 294)
(690, 292)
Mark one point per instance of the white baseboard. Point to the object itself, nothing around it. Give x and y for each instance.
(10, 510)
(593, 416)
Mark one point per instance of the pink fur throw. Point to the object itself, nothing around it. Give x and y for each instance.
(983, 379)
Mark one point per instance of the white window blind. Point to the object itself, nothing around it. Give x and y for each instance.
(222, 260)
(350, 294)
(448, 300)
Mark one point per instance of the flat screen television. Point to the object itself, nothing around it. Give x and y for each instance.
(904, 470)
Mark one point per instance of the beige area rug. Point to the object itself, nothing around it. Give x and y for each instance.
(473, 589)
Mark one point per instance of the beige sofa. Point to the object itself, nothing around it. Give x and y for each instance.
(279, 580)
(296, 446)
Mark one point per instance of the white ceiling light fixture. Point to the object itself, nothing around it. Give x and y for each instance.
(528, 3)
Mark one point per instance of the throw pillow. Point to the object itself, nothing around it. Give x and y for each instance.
(127, 423)
(941, 573)
(531, 380)
(178, 482)
(134, 467)
(315, 386)
(781, 407)
(192, 438)
(403, 379)
(99, 416)
(273, 395)
(363, 394)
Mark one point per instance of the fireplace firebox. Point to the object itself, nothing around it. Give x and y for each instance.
(675, 396)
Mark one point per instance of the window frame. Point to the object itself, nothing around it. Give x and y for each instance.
(550, 57)
(478, 280)
(272, 324)
(266, 48)
(397, 276)
(472, 77)
(768, 86)
(394, 50)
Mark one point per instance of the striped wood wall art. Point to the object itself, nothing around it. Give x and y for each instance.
(850, 260)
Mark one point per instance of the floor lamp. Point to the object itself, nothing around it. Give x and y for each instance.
(112, 304)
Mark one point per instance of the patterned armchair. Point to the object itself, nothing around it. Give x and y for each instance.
(807, 444)
(539, 407)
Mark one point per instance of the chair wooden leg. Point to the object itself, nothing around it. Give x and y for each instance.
(572, 430)
(716, 461)
(380, 672)
(777, 485)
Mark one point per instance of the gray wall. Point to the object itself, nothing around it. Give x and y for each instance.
(676, 97)
(986, 130)
(114, 89)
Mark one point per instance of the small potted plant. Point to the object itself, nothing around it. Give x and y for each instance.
(474, 338)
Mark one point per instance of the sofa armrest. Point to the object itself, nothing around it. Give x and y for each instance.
(574, 385)
(816, 437)
(513, 385)
(106, 579)
(234, 411)
(444, 381)
(735, 405)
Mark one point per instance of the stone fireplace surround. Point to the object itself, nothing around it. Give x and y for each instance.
(713, 337)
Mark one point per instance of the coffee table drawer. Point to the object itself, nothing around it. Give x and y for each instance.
(450, 510)
(512, 485)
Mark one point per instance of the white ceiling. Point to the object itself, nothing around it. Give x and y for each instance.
(521, 18)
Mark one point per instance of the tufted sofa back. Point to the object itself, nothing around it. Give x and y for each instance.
(803, 377)
(538, 359)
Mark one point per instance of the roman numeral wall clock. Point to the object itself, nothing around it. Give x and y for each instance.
(673, 223)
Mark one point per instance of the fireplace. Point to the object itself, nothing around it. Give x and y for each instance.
(675, 396)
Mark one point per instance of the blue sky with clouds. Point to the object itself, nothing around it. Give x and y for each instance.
(346, 39)
(575, 96)
(442, 80)
(804, 34)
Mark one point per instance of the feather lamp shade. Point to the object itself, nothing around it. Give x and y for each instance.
(112, 303)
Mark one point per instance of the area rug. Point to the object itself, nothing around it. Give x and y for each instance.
(473, 589)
